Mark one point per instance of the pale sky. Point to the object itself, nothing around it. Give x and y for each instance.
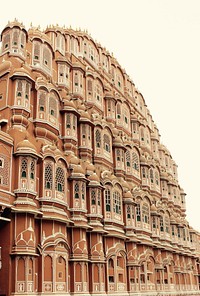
(158, 43)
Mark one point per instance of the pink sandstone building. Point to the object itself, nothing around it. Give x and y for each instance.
(90, 202)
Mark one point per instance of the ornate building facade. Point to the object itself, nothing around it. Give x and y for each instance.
(89, 197)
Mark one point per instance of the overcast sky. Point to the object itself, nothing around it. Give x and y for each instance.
(158, 43)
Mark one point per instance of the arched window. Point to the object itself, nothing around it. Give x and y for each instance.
(138, 213)
(93, 197)
(135, 161)
(116, 202)
(118, 110)
(90, 88)
(98, 138)
(36, 52)
(32, 170)
(157, 178)
(47, 57)
(60, 180)
(161, 224)
(52, 106)
(128, 158)
(48, 176)
(76, 190)
(106, 140)
(83, 190)
(145, 213)
(15, 37)
(107, 200)
(6, 41)
(142, 134)
(19, 88)
(24, 167)
(151, 175)
(128, 212)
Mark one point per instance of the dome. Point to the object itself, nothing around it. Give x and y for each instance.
(26, 147)
(22, 72)
(118, 141)
(74, 160)
(77, 169)
(94, 178)
(153, 208)
(5, 67)
(13, 24)
(127, 195)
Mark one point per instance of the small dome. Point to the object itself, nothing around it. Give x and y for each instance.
(77, 169)
(127, 195)
(117, 141)
(153, 208)
(94, 177)
(22, 72)
(5, 67)
(69, 103)
(26, 147)
(13, 24)
(74, 160)
(84, 115)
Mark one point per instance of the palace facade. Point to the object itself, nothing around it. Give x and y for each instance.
(90, 202)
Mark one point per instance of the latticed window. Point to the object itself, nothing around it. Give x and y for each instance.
(53, 106)
(157, 178)
(83, 190)
(107, 200)
(60, 180)
(24, 167)
(135, 160)
(83, 131)
(128, 212)
(48, 176)
(47, 57)
(76, 190)
(106, 140)
(36, 54)
(173, 230)
(145, 213)
(118, 111)
(99, 197)
(74, 122)
(7, 41)
(161, 224)
(4, 170)
(89, 85)
(151, 175)
(23, 39)
(93, 197)
(154, 222)
(167, 224)
(68, 121)
(76, 80)
(138, 212)
(116, 202)
(15, 37)
(32, 170)
(143, 173)
(42, 102)
(98, 93)
(128, 158)
(27, 89)
(98, 138)
(19, 88)
(118, 155)
(142, 134)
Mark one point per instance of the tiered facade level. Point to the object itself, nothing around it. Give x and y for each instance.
(89, 197)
